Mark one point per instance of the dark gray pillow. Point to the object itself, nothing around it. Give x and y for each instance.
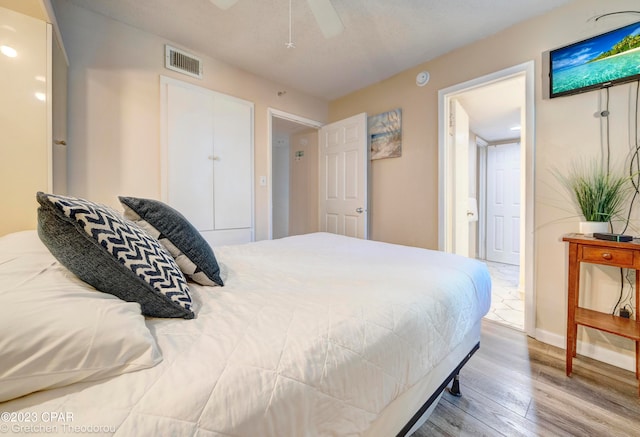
(191, 251)
(113, 254)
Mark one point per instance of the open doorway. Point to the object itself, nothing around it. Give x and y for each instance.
(327, 175)
(487, 213)
(293, 174)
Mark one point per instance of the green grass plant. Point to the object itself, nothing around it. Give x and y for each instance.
(599, 194)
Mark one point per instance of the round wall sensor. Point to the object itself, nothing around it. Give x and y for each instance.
(422, 78)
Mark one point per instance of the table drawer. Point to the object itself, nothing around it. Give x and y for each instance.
(604, 255)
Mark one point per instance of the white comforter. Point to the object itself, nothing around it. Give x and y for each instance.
(311, 335)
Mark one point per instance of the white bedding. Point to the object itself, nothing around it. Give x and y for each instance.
(311, 335)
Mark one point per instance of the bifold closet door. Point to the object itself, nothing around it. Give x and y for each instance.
(25, 117)
(207, 166)
(190, 138)
(232, 168)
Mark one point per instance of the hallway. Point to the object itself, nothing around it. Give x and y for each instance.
(507, 304)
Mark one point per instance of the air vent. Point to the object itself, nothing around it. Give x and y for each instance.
(182, 62)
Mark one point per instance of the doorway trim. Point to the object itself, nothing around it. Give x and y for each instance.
(445, 180)
(271, 113)
(482, 146)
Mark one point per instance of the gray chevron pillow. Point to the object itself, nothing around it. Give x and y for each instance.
(191, 251)
(113, 254)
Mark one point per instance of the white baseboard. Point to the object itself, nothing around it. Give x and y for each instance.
(618, 359)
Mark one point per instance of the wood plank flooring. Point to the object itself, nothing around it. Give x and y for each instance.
(516, 386)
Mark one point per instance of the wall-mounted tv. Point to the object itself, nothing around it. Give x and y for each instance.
(601, 61)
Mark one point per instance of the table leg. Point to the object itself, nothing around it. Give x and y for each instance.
(572, 304)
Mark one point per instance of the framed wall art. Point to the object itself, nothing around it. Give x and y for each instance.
(385, 134)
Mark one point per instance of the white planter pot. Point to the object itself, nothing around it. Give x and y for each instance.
(588, 228)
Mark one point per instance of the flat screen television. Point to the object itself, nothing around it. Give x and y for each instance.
(604, 60)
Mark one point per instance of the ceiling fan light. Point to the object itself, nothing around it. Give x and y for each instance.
(327, 17)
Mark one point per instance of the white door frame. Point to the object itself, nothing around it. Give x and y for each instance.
(482, 196)
(528, 164)
(271, 112)
(459, 144)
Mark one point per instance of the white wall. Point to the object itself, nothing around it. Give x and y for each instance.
(114, 108)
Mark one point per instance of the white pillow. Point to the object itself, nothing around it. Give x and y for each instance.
(57, 330)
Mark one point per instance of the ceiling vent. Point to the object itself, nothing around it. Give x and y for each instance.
(182, 62)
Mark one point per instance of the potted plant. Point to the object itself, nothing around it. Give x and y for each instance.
(599, 194)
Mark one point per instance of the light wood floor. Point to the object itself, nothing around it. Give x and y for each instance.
(516, 386)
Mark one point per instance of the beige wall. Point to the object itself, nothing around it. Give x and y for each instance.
(33, 8)
(114, 108)
(405, 190)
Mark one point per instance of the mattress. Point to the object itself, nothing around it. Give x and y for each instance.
(401, 411)
(311, 335)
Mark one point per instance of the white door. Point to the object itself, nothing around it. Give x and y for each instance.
(503, 203)
(189, 127)
(344, 161)
(59, 117)
(460, 148)
(232, 163)
(207, 160)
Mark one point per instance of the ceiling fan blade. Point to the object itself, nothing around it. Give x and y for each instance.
(224, 4)
(327, 17)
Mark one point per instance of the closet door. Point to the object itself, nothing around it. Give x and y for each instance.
(25, 118)
(233, 166)
(189, 129)
(207, 165)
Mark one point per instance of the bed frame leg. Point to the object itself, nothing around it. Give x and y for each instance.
(455, 386)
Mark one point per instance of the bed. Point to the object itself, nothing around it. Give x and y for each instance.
(311, 335)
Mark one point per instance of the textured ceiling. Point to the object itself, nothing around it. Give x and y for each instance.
(381, 37)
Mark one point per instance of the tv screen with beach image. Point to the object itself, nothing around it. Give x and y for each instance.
(604, 60)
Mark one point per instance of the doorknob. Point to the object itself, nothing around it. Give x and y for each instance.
(359, 210)
(469, 213)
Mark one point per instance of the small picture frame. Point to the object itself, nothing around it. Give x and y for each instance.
(385, 134)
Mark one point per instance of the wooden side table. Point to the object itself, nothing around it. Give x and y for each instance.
(610, 253)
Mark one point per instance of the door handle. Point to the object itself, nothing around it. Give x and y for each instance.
(359, 210)
(469, 213)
